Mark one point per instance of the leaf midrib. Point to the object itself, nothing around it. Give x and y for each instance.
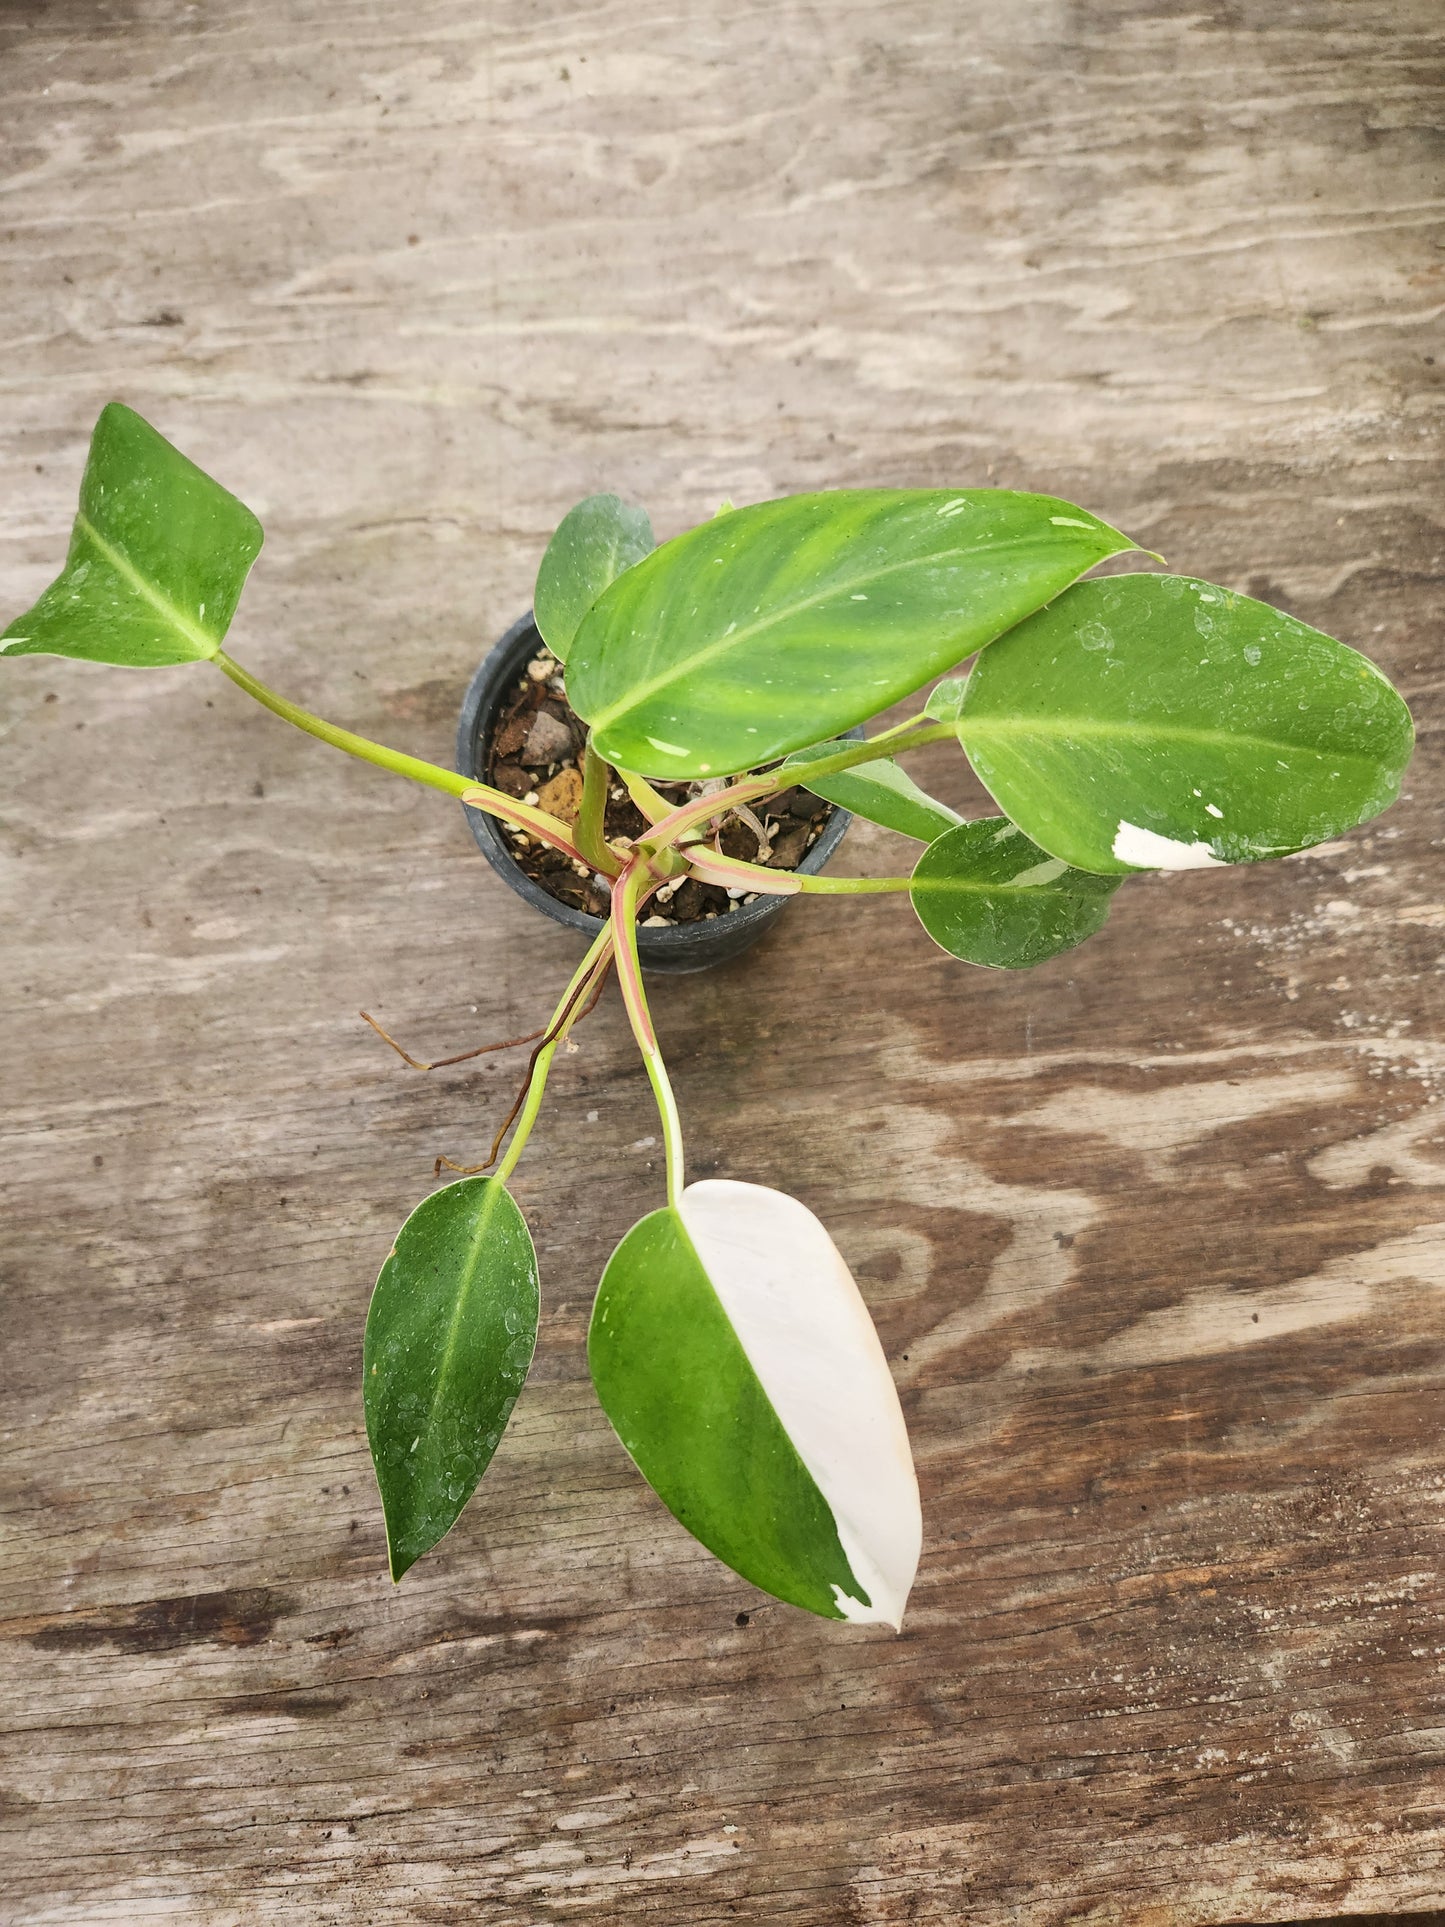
(984, 726)
(644, 691)
(474, 1250)
(957, 886)
(860, 1591)
(163, 606)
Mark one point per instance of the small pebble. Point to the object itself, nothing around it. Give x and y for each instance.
(657, 923)
(561, 795)
(548, 742)
(531, 797)
(540, 668)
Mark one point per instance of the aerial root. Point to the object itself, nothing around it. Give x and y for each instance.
(563, 1021)
(440, 1063)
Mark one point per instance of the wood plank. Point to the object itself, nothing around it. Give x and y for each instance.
(1152, 1234)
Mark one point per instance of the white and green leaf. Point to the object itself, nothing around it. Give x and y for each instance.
(739, 1366)
(986, 893)
(881, 792)
(775, 626)
(1157, 722)
(594, 543)
(159, 554)
(449, 1340)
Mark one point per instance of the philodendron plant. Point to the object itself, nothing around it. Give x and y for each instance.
(1129, 722)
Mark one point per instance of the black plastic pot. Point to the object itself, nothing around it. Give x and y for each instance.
(682, 946)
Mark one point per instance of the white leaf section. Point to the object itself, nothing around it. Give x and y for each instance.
(1154, 852)
(806, 1331)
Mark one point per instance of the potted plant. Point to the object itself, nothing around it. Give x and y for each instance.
(1125, 722)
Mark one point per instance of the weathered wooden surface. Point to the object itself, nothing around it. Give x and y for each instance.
(1151, 1234)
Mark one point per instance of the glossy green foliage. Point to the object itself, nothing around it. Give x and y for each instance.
(594, 544)
(1152, 721)
(881, 792)
(684, 1400)
(158, 557)
(769, 628)
(449, 1340)
(986, 893)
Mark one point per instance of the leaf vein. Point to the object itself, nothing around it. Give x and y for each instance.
(478, 1238)
(985, 726)
(642, 692)
(163, 606)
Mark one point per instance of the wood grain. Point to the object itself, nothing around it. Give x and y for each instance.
(1153, 1234)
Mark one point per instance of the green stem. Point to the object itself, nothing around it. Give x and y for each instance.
(626, 894)
(916, 733)
(653, 806)
(711, 866)
(564, 1016)
(905, 736)
(589, 829)
(810, 886)
(746, 790)
(478, 795)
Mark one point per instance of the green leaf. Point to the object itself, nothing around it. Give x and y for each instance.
(765, 630)
(880, 791)
(740, 1368)
(985, 893)
(1156, 722)
(945, 703)
(449, 1339)
(158, 557)
(593, 545)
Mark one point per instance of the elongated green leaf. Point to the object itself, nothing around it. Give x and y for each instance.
(158, 557)
(879, 791)
(593, 545)
(765, 630)
(986, 893)
(449, 1339)
(740, 1368)
(1156, 722)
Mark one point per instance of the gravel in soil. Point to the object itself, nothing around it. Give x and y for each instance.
(535, 755)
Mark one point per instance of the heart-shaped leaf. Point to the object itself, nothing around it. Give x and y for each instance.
(1156, 722)
(880, 791)
(158, 557)
(449, 1339)
(985, 893)
(770, 628)
(594, 544)
(736, 1360)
